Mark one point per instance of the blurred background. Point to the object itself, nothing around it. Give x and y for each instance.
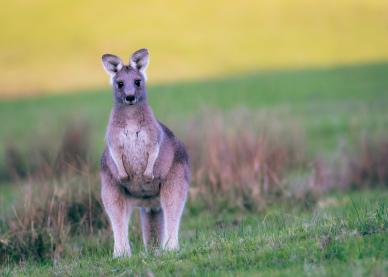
(55, 46)
(282, 105)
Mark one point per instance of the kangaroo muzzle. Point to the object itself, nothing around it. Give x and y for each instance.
(130, 99)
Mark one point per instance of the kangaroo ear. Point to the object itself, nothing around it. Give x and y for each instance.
(112, 64)
(139, 60)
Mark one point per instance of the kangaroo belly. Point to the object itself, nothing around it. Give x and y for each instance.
(139, 189)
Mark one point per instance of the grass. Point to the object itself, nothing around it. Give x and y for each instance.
(46, 47)
(343, 235)
(332, 104)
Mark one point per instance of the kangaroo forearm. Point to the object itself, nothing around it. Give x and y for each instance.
(152, 156)
(118, 160)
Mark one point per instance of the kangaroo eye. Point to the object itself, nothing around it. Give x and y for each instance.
(120, 84)
(137, 82)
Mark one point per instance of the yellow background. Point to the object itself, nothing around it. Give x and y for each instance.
(48, 46)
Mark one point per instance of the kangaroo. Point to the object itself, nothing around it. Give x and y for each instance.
(143, 164)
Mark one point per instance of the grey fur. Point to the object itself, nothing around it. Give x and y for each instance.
(143, 165)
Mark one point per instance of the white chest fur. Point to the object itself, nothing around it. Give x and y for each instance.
(130, 143)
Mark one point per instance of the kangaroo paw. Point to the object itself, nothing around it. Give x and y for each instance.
(148, 176)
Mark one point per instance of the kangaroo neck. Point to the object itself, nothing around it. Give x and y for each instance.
(136, 112)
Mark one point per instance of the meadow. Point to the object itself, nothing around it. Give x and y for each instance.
(316, 203)
(344, 235)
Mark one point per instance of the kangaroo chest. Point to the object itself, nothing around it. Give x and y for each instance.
(130, 143)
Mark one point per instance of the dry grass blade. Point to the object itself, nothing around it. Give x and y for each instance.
(242, 157)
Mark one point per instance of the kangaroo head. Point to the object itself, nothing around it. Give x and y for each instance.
(128, 81)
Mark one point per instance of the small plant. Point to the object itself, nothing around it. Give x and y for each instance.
(47, 214)
(368, 163)
(243, 158)
(46, 159)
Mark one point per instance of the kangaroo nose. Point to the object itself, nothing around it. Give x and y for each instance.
(130, 98)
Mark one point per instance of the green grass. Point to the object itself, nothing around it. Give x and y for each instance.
(344, 235)
(332, 104)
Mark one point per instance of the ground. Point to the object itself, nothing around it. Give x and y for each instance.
(344, 235)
